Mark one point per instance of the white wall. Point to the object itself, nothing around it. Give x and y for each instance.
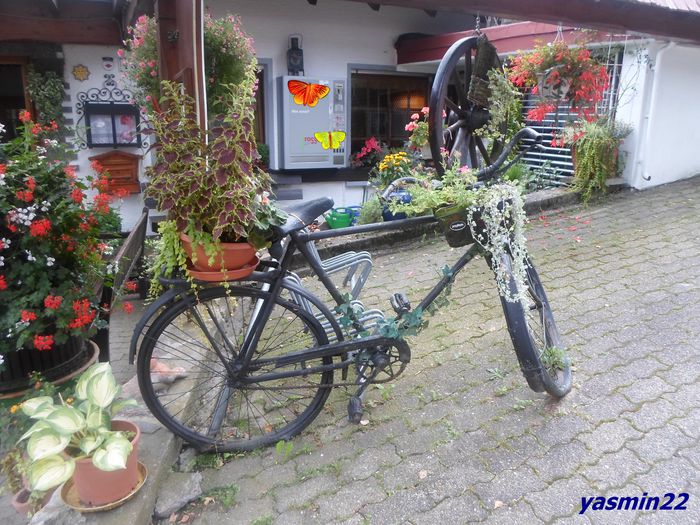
(673, 136)
(91, 56)
(334, 34)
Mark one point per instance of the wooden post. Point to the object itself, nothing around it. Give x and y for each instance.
(181, 48)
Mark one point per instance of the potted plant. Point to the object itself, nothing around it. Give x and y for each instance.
(594, 147)
(218, 209)
(418, 127)
(370, 155)
(557, 72)
(80, 440)
(491, 215)
(51, 263)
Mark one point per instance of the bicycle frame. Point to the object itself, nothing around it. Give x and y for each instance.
(300, 241)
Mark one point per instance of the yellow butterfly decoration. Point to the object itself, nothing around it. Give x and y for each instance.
(330, 139)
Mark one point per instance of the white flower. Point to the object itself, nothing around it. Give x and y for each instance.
(40, 150)
(30, 257)
(50, 261)
(2, 358)
(5, 242)
(2, 131)
(2, 261)
(2, 180)
(45, 205)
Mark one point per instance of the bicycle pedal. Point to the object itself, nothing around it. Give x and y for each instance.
(355, 410)
(400, 303)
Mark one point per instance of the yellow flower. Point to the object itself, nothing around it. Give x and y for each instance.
(14, 408)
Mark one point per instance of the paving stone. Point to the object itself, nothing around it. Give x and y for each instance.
(178, 490)
(465, 508)
(302, 493)
(561, 498)
(398, 508)
(608, 437)
(369, 461)
(508, 486)
(614, 470)
(350, 499)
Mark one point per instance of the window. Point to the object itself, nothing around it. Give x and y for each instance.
(382, 106)
(112, 124)
(13, 97)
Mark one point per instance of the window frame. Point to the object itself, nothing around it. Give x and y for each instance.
(113, 109)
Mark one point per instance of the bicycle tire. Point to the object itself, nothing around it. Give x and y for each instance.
(536, 339)
(250, 415)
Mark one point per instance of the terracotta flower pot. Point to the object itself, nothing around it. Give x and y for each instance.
(96, 487)
(233, 255)
(20, 501)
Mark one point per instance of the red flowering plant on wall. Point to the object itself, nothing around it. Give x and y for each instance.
(370, 154)
(51, 256)
(558, 73)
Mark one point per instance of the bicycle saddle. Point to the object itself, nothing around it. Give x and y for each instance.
(301, 215)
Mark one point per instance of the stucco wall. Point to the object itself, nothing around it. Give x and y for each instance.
(91, 56)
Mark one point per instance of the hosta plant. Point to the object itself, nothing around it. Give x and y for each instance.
(64, 432)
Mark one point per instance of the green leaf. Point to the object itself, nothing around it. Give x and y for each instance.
(36, 427)
(37, 405)
(81, 386)
(45, 443)
(113, 453)
(66, 420)
(89, 443)
(97, 419)
(49, 472)
(102, 388)
(122, 404)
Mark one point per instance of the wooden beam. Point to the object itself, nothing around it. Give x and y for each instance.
(103, 31)
(607, 15)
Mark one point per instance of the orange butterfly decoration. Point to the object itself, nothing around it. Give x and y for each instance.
(306, 94)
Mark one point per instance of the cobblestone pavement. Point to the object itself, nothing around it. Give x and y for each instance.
(455, 441)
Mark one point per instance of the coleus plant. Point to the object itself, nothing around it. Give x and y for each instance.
(65, 431)
(207, 182)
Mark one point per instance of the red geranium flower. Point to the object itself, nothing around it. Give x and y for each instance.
(27, 316)
(3, 283)
(53, 301)
(131, 286)
(24, 116)
(43, 342)
(128, 307)
(40, 228)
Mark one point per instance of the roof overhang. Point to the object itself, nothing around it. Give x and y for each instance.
(670, 19)
(508, 39)
(61, 21)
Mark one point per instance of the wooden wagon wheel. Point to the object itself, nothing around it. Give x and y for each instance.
(458, 104)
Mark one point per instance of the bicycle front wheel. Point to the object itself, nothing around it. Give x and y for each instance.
(188, 380)
(538, 345)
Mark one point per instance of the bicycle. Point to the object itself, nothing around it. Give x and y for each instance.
(260, 356)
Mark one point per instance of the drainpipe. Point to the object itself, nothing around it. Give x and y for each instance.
(642, 175)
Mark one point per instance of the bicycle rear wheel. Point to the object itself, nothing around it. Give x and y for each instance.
(538, 345)
(199, 338)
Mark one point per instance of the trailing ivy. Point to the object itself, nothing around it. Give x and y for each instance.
(47, 92)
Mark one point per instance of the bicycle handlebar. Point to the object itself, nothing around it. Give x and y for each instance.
(489, 171)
